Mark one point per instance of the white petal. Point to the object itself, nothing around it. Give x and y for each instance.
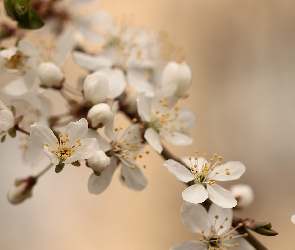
(110, 127)
(52, 157)
(190, 245)
(27, 48)
(77, 130)
(178, 138)
(16, 87)
(103, 143)
(97, 184)
(140, 85)
(91, 63)
(167, 94)
(293, 218)
(88, 147)
(33, 154)
(221, 196)
(133, 177)
(195, 194)
(6, 120)
(117, 82)
(243, 243)
(222, 213)
(153, 139)
(180, 171)
(41, 135)
(196, 218)
(234, 168)
(188, 117)
(144, 107)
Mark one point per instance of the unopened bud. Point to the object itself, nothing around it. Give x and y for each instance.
(99, 115)
(21, 190)
(50, 75)
(263, 228)
(99, 161)
(243, 194)
(96, 88)
(179, 74)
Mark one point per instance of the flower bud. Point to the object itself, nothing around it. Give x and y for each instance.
(99, 161)
(95, 88)
(6, 119)
(21, 190)
(243, 194)
(99, 115)
(50, 75)
(179, 74)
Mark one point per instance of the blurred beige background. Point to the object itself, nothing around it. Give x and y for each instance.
(242, 54)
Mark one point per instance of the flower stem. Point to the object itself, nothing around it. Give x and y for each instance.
(44, 171)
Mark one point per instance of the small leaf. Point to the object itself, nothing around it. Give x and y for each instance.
(17, 120)
(76, 163)
(12, 108)
(3, 138)
(43, 86)
(59, 167)
(12, 132)
(97, 173)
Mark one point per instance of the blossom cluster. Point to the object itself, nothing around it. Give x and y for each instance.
(133, 73)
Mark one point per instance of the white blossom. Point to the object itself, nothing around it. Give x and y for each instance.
(99, 115)
(69, 147)
(125, 151)
(99, 161)
(50, 75)
(21, 190)
(214, 226)
(165, 119)
(204, 176)
(95, 88)
(243, 193)
(179, 74)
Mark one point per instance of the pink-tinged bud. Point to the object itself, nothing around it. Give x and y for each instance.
(99, 115)
(179, 74)
(96, 88)
(21, 190)
(50, 75)
(99, 161)
(243, 194)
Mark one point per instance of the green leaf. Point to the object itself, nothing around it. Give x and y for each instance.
(3, 138)
(59, 167)
(21, 11)
(76, 163)
(12, 132)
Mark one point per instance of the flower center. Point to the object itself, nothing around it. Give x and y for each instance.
(168, 121)
(202, 170)
(16, 61)
(64, 149)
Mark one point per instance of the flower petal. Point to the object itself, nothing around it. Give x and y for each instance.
(221, 196)
(140, 85)
(153, 139)
(196, 218)
(97, 184)
(117, 81)
(88, 147)
(195, 194)
(91, 63)
(176, 138)
(103, 143)
(41, 135)
(190, 245)
(180, 171)
(77, 130)
(144, 107)
(231, 170)
(132, 177)
(27, 48)
(222, 213)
